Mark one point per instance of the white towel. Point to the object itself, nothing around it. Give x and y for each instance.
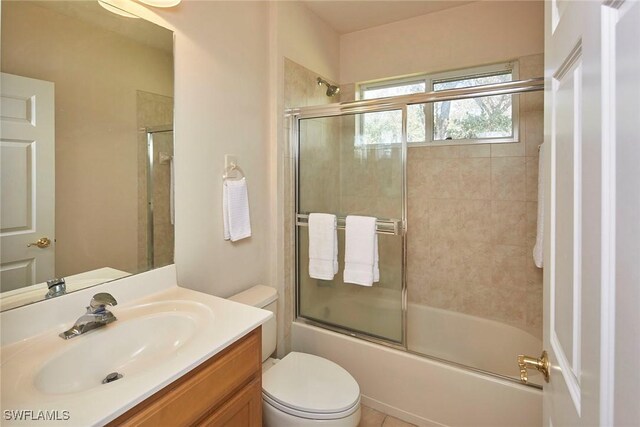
(361, 251)
(323, 246)
(235, 210)
(538, 248)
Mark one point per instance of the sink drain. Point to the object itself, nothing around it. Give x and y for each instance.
(113, 376)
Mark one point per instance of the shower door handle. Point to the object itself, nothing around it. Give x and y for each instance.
(541, 364)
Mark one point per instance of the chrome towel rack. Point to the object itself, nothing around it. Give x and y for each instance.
(383, 226)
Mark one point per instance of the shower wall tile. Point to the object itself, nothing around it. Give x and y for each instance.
(472, 212)
(509, 266)
(475, 263)
(460, 220)
(475, 220)
(514, 149)
(533, 101)
(508, 176)
(445, 152)
(534, 132)
(532, 219)
(479, 150)
(441, 178)
(509, 222)
(419, 153)
(531, 184)
(475, 178)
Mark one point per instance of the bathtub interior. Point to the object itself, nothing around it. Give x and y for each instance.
(472, 341)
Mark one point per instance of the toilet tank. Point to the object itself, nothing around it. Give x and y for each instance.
(266, 298)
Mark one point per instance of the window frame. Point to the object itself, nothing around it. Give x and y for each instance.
(434, 78)
(382, 84)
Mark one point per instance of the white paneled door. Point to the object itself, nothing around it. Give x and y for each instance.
(27, 153)
(592, 49)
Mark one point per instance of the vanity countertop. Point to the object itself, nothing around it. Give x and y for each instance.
(61, 379)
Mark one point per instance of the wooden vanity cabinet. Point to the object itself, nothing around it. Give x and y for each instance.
(226, 390)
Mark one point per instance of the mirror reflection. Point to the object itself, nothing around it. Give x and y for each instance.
(86, 148)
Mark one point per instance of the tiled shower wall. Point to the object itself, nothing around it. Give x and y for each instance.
(472, 222)
(471, 208)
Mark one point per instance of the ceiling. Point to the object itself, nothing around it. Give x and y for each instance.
(347, 16)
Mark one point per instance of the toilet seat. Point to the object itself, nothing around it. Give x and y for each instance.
(308, 386)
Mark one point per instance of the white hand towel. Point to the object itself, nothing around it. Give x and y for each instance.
(323, 246)
(538, 248)
(361, 251)
(235, 210)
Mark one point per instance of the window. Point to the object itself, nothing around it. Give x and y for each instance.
(483, 119)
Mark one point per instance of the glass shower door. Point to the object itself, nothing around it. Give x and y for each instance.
(160, 198)
(353, 165)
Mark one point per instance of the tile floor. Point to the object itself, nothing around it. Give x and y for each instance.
(373, 418)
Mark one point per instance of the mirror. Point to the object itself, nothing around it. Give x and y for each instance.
(86, 140)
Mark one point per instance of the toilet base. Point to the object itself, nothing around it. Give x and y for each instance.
(273, 417)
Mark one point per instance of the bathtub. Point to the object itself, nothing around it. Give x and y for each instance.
(469, 340)
(426, 391)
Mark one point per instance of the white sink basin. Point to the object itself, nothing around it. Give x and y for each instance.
(127, 347)
(154, 341)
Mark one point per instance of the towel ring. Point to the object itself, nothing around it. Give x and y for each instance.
(230, 169)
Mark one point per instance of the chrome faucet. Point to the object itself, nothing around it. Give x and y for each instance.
(96, 316)
(56, 288)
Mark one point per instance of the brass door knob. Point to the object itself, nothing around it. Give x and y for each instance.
(541, 364)
(42, 243)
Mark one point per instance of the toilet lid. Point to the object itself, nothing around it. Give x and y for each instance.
(309, 383)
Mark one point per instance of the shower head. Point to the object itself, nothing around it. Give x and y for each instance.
(331, 89)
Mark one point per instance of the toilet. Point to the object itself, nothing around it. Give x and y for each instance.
(301, 389)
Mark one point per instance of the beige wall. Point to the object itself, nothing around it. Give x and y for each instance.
(96, 74)
(306, 39)
(222, 82)
(478, 33)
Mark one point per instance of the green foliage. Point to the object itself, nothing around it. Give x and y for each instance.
(492, 118)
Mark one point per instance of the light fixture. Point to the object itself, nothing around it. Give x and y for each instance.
(113, 6)
(161, 3)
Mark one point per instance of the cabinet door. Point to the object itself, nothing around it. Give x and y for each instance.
(243, 410)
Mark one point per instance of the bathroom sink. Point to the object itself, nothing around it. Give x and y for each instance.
(162, 332)
(127, 347)
(145, 337)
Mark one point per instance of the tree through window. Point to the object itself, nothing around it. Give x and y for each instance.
(482, 119)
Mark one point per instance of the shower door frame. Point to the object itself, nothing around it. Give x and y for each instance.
(299, 114)
(151, 131)
(295, 115)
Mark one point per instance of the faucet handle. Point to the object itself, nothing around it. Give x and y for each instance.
(100, 301)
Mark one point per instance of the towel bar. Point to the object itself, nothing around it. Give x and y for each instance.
(383, 226)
